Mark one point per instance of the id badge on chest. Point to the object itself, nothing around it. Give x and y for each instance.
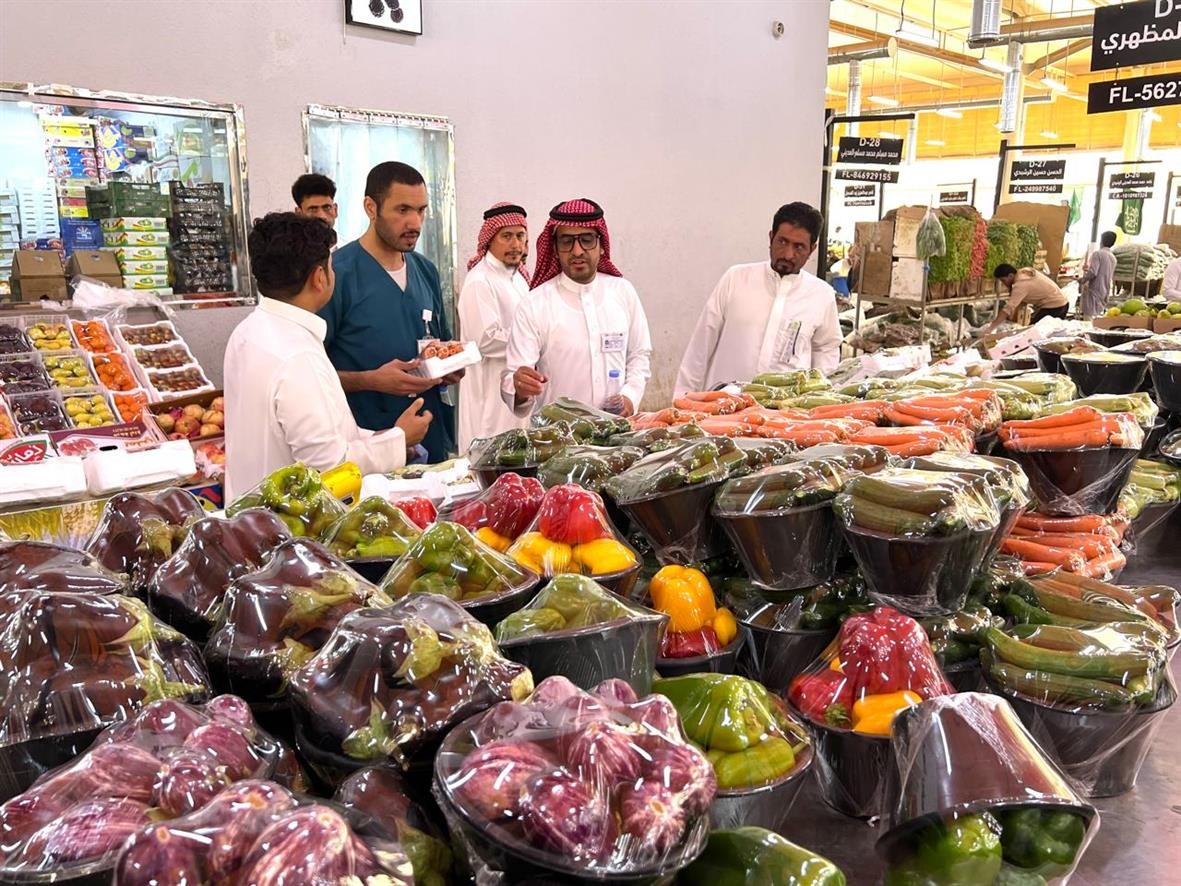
(613, 342)
(791, 335)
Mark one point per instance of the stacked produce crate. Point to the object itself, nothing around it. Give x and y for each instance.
(200, 246)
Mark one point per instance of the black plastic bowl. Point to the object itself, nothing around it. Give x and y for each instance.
(1103, 750)
(23, 763)
(487, 476)
(588, 656)
(965, 676)
(1149, 534)
(724, 661)
(678, 523)
(1009, 518)
(850, 768)
(1070, 482)
(920, 575)
(1095, 377)
(1153, 435)
(372, 569)
(1048, 360)
(788, 549)
(766, 806)
(1166, 380)
(1109, 338)
(773, 656)
(620, 584)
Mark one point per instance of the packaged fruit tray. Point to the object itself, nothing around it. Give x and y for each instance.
(49, 333)
(13, 340)
(200, 417)
(129, 405)
(69, 370)
(7, 425)
(148, 334)
(114, 373)
(94, 336)
(169, 356)
(165, 384)
(22, 374)
(89, 409)
(38, 413)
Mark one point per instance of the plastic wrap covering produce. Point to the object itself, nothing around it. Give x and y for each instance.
(576, 627)
(1071, 344)
(276, 618)
(1138, 262)
(73, 662)
(138, 532)
(521, 448)
(713, 403)
(1006, 481)
(709, 460)
(572, 533)
(503, 511)
(979, 410)
(866, 459)
(296, 495)
(1048, 387)
(169, 760)
(1016, 402)
(906, 502)
(389, 682)
(973, 801)
(696, 625)
(588, 466)
(763, 453)
(657, 439)
(929, 238)
(450, 561)
(772, 386)
(419, 510)
(753, 856)
(805, 481)
(586, 423)
(374, 528)
(880, 664)
(956, 639)
(188, 588)
(571, 784)
(1139, 405)
(40, 566)
(904, 327)
(918, 440)
(1150, 483)
(1163, 342)
(379, 797)
(258, 832)
(1088, 544)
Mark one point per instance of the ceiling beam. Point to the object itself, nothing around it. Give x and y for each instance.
(1061, 54)
(969, 62)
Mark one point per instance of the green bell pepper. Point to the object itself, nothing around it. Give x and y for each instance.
(1042, 840)
(750, 856)
(964, 852)
(436, 583)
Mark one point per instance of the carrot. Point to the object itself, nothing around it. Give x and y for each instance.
(1039, 553)
(1102, 532)
(1087, 545)
(1084, 523)
(1108, 564)
(909, 450)
(1034, 568)
(1061, 420)
(1066, 440)
(950, 413)
(856, 410)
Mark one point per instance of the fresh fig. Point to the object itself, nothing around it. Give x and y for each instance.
(254, 810)
(161, 856)
(658, 714)
(231, 708)
(554, 690)
(604, 755)
(312, 845)
(652, 816)
(188, 781)
(492, 777)
(562, 813)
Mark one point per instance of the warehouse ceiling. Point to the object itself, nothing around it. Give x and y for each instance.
(933, 65)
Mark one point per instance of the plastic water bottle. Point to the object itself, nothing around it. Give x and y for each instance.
(614, 386)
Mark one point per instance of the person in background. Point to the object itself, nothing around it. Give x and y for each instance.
(766, 316)
(493, 289)
(387, 299)
(1095, 281)
(315, 197)
(1030, 287)
(1171, 285)
(284, 402)
(582, 332)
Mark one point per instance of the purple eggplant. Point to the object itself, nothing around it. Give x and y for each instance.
(564, 814)
(138, 532)
(161, 856)
(686, 772)
(40, 566)
(310, 846)
(652, 817)
(188, 781)
(88, 830)
(228, 746)
(493, 778)
(604, 755)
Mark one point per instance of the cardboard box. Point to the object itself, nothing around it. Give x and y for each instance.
(1170, 234)
(1167, 324)
(141, 253)
(135, 223)
(906, 231)
(1122, 322)
(906, 279)
(96, 264)
(37, 274)
(145, 267)
(135, 238)
(874, 242)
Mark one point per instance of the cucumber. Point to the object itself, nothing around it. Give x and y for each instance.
(883, 518)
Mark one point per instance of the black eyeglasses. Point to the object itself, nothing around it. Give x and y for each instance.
(565, 242)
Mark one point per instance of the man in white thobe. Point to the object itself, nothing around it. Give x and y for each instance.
(284, 402)
(766, 316)
(582, 332)
(494, 287)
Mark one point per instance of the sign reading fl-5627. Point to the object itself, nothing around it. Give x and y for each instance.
(1133, 93)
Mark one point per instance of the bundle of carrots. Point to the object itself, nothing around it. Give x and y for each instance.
(1086, 545)
(714, 402)
(918, 440)
(872, 411)
(977, 410)
(665, 418)
(1158, 602)
(1081, 428)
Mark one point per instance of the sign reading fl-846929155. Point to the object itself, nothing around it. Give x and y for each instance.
(1133, 93)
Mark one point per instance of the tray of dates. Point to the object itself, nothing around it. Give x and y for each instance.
(171, 356)
(599, 786)
(439, 358)
(149, 334)
(22, 374)
(137, 532)
(168, 760)
(39, 412)
(165, 383)
(13, 340)
(94, 336)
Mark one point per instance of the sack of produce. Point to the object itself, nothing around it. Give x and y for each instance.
(388, 683)
(659, 438)
(972, 799)
(450, 561)
(41, 566)
(575, 785)
(577, 628)
(760, 754)
(72, 664)
(297, 495)
(273, 620)
(500, 513)
(588, 466)
(700, 636)
(880, 664)
(168, 760)
(258, 832)
(521, 451)
(746, 856)
(573, 534)
(586, 423)
(189, 588)
(919, 537)
(139, 531)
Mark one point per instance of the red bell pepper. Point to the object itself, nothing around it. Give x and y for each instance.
(572, 515)
(421, 511)
(512, 503)
(884, 651)
(689, 644)
(825, 697)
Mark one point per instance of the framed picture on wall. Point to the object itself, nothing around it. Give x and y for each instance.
(403, 16)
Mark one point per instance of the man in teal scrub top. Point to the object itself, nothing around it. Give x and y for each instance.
(387, 297)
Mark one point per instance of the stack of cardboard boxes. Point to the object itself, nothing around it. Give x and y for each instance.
(200, 238)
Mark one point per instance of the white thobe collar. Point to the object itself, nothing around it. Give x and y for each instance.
(574, 287)
(313, 323)
(500, 267)
(782, 284)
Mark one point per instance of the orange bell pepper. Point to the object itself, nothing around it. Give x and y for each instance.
(874, 714)
(684, 594)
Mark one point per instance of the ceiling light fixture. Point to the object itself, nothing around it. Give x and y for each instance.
(884, 101)
(885, 134)
(935, 143)
(1053, 85)
(950, 113)
(993, 65)
(914, 35)
(1045, 133)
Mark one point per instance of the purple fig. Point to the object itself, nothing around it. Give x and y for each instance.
(616, 692)
(577, 712)
(562, 813)
(27, 813)
(161, 856)
(88, 830)
(508, 719)
(226, 744)
(188, 781)
(684, 770)
(653, 817)
(604, 755)
(492, 777)
(109, 770)
(312, 845)
(169, 719)
(230, 708)
(553, 690)
(248, 794)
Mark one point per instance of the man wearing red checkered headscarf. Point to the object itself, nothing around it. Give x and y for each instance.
(493, 289)
(582, 332)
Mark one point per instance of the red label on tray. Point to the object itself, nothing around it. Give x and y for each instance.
(131, 436)
(24, 452)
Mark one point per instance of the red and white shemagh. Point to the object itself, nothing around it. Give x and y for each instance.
(580, 213)
(497, 217)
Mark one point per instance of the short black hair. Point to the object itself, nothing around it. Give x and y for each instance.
(383, 175)
(1108, 239)
(799, 215)
(312, 184)
(284, 250)
(1003, 270)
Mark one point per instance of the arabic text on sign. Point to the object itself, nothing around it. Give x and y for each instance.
(872, 151)
(1037, 170)
(1136, 34)
(953, 197)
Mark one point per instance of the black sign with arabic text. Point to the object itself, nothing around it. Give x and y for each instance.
(1131, 186)
(870, 151)
(1036, 188)
(1036, 170)
(887, 176)
(861, 195)
(1136, 34)
(953, 197)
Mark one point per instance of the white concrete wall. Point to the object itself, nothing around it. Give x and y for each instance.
(687, 120)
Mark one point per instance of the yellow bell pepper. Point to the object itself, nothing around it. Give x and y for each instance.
(725, 626)
(684, 594)
(603, 556)
(493, 540)
(874, 714)
(343, 481)
(534, 551)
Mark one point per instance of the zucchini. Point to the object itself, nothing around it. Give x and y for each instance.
(883, 518)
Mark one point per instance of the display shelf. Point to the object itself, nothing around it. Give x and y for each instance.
(923, 306)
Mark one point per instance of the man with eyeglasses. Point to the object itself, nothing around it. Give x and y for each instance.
(766, 316)
(582, 332)
(495, 285)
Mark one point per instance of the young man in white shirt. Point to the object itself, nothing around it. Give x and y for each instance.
(766, 316)
(1171, 285)
(284, 402)
(582, 332)
(495, 285)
